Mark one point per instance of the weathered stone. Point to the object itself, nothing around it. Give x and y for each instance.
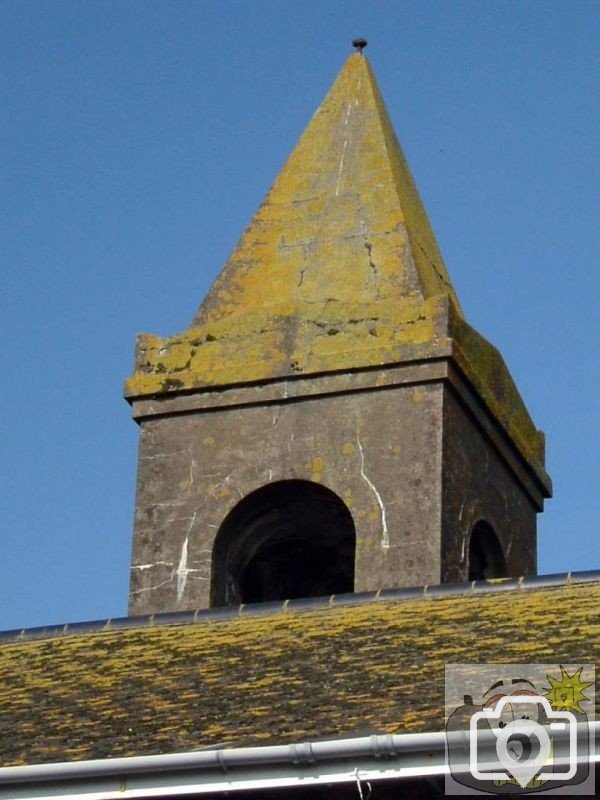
(331, 352)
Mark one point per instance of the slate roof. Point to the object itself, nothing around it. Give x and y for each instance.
(273, 673)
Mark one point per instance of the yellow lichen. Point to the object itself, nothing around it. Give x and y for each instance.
(339, 270)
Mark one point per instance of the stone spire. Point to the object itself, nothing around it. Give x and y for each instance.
(329, 422)
(343, 222)
(338, 268)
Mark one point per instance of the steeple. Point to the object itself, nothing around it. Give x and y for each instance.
(340, 247)
(329, 422)
(343, 222)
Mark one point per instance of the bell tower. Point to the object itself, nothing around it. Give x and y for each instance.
(329, 422)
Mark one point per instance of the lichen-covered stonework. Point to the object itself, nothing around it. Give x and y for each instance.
(376, 450)
(478, 484)
(332, 349)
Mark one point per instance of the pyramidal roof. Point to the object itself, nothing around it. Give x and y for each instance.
(343, 221)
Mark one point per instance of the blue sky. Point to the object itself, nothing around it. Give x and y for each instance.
(137, 139)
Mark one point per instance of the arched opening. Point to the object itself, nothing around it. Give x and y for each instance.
(286, 540)
(486, 559)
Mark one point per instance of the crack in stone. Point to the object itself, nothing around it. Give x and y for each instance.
(182, 570)
(164, 455)
(369, 249)
(385, 537)
(443, 279)
(156, 586)
(341, 167)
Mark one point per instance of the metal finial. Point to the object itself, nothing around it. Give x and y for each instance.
(360, 44)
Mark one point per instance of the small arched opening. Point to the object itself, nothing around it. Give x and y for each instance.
(486, 558)
(286, 540)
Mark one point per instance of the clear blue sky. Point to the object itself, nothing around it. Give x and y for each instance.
(137, 139)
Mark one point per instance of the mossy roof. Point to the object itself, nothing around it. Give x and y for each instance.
(274, 676)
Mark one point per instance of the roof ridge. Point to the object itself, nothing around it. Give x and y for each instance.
(496, 585)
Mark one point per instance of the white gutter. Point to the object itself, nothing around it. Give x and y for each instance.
(372, 758)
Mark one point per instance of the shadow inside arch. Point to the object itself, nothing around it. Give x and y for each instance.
(486, 557)
(285, 540)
